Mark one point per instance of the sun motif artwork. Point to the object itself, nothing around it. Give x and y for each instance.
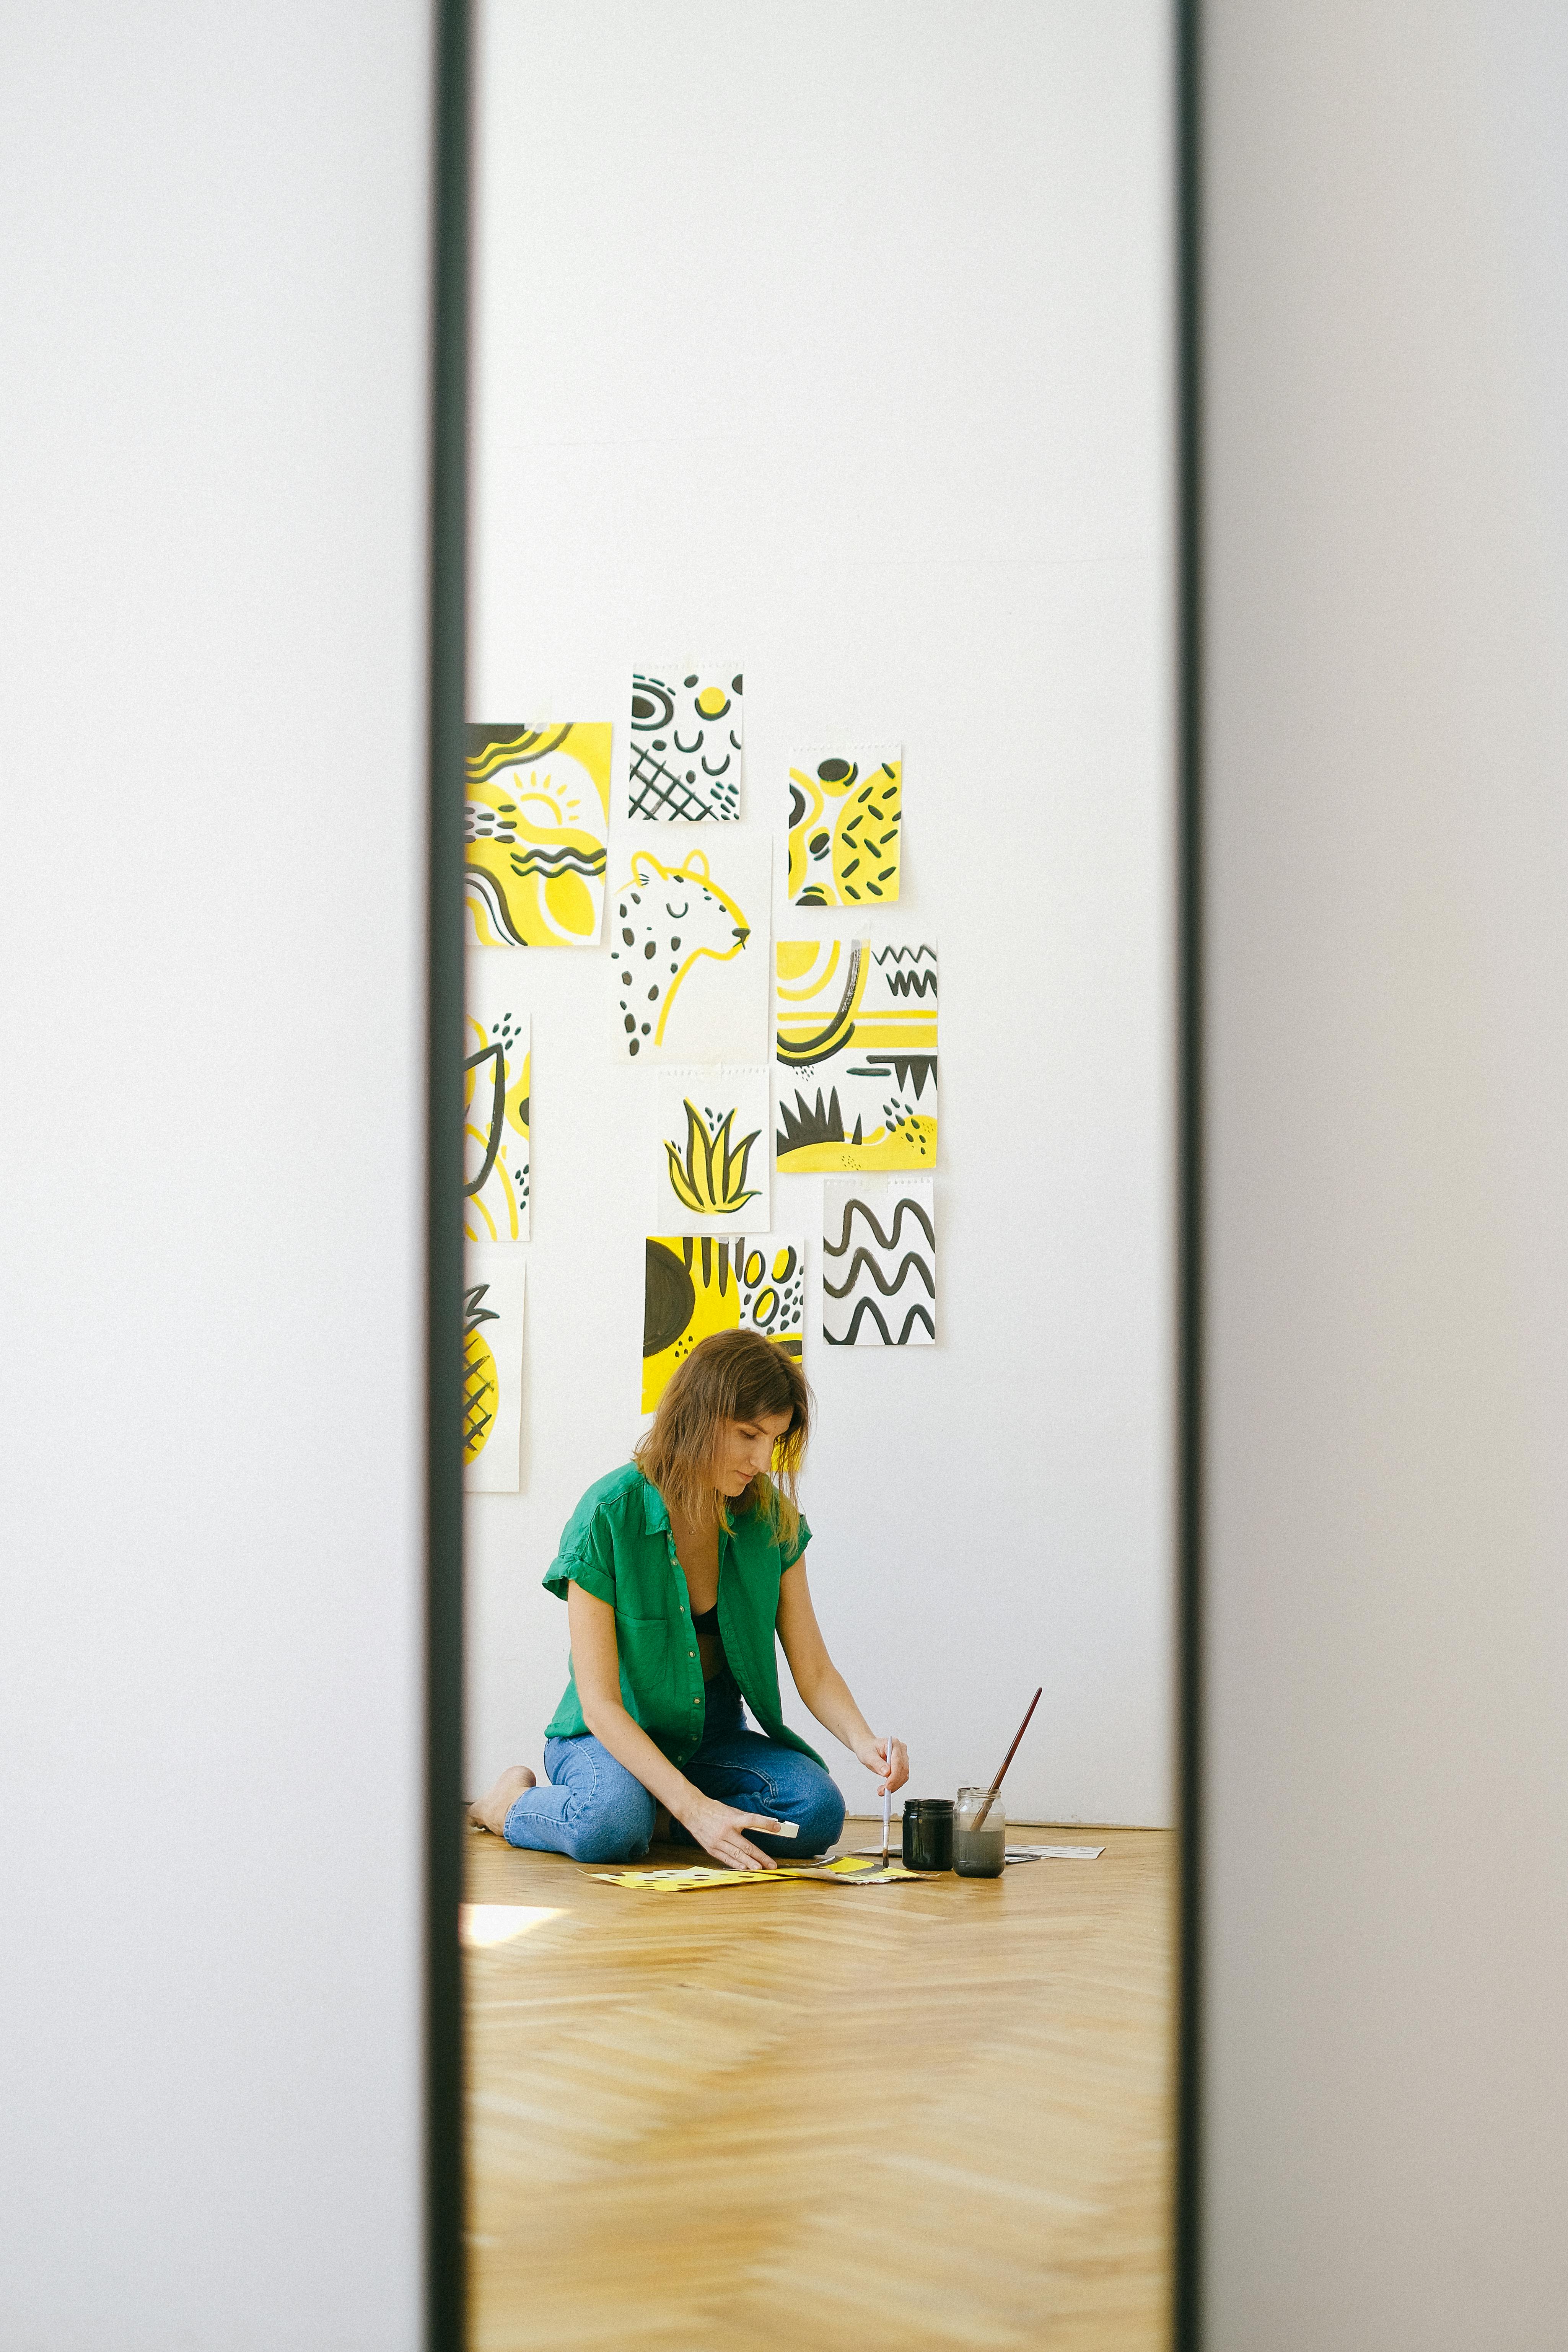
(495, 1120)
(714, 1151)
(686, 745)
(688, 936)
(494, 1287)
(879, 1262)
(844, 812)
(697, 1284)
(536, 829)
(855, 1047)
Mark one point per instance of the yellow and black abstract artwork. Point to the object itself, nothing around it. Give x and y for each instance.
(686, 746)
(694, 1284)
(856, 1054)
(536, 828)
(496, 1089)
(844, 812)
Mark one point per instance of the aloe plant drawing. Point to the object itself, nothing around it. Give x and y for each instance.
(711, 1180)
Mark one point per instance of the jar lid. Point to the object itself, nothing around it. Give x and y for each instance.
(927, 1805)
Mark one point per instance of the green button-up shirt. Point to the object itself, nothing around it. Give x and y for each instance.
(619, 1546)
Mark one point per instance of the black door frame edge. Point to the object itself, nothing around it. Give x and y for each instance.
(444, 2248)
(445, 2266)
(1187, 2313)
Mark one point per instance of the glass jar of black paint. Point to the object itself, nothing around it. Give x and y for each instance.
(928, 1834)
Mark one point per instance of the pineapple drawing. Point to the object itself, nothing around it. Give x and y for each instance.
(480, 1385)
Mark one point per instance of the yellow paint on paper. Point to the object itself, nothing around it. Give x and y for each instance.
(848, 1870)
(695, 1285)
(495, 1109)
(844, 824)
(481, 1388)
(666, 920)
(857, 1052)
(536, 828)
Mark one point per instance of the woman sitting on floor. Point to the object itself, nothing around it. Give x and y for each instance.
(677, 1571)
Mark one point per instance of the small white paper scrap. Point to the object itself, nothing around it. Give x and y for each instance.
(1054, 1853)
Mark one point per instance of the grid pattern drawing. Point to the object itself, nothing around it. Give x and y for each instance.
(685, 747)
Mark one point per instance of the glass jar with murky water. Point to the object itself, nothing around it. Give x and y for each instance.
(979, 1851)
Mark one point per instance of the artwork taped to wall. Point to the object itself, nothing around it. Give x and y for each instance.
(879, 1262)
(496, 1085)
(494, 1287)
(536, 829)
(697, 1284)
(685, 745)
(845, 813)
(714, 1145)
(690, 929)
(857, 1054)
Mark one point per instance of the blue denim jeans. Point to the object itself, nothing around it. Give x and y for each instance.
(595, 1811)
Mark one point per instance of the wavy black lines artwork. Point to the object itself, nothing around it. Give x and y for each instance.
(686, 746)
(494, 1291)
(878, 1263)
(714, 1149)
(697, 1284)
(536, 830)
(844, 812)
(496, 1089)
(857, 1054)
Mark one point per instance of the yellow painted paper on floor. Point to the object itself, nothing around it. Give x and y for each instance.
(849, 1870)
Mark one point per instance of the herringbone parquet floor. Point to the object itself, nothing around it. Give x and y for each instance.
(807, 2119)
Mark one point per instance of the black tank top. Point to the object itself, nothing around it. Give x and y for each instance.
(709, 1621)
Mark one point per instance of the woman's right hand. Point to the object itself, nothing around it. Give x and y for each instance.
(718, 1830)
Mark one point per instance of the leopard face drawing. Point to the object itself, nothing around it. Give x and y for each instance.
(665, 917)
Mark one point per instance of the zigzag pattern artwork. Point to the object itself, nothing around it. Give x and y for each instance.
(878, 1263)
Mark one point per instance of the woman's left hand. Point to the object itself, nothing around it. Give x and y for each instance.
(888, 1758)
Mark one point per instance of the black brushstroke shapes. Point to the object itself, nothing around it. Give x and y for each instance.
(908, 1205)
(808, 1124)
(838, 1031)
(904, 1068)
(669, 1298)
(868, 1307)
(495, 1054)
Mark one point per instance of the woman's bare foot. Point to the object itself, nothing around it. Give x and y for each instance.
(489, 1813)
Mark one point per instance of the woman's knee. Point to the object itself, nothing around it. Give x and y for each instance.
(821, 1814)
(617, 1828)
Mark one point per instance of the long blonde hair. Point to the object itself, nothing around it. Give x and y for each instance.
(730, 1376)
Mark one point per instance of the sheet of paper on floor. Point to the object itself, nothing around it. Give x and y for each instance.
(849, 1871)
(1055, 1853)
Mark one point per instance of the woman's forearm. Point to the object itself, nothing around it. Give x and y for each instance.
(829, 1698)
(630, 1744)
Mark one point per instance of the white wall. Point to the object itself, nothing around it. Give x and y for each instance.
(215, 280)
(834, 342)
(1386, 1804)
